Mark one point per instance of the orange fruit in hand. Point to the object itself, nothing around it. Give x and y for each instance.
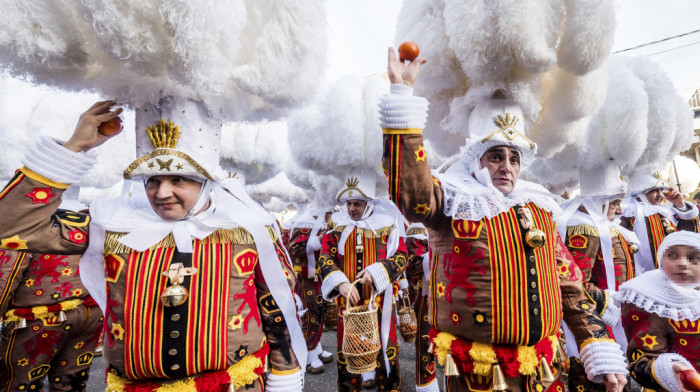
(690, 380)
(111, 127)
(408, 51)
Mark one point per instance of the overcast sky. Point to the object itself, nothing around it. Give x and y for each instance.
(361, 30)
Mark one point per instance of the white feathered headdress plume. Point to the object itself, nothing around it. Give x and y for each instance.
(29, 112)
(340, 134)
(244, 59)
(253, 151)
(546, 55)
(641, 126)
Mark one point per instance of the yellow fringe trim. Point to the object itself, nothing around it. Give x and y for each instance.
(484, 356)
(587, 230)
(417, 230)
(367, 233)
(442, 343)
(242, 373)
(236, 236)
(42, 312)
(527, 356)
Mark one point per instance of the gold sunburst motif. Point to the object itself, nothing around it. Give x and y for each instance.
(164, 134)
(506, 126)
(352, 182)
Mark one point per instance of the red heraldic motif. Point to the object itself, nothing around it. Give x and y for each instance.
(466, 230)
(245, 262)
(40, 195)
(249, 298)
(46, 265)
(459, 265)
(113, 267)
(76, 236)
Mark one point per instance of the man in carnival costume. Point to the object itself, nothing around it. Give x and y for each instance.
(418, 273)
(502, 278)
(365, 242)
(647, 203)
(305, 230)
(52, 325)
(192, 278)
(602, 249)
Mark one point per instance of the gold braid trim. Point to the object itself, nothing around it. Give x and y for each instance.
(236, 236)
(168, 152)
(367, 233)
(588, 230)
(417, 230)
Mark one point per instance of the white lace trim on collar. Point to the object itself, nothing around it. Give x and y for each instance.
(653, 292)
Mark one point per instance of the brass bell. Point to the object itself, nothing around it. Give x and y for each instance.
(21, 323)
(670, 230)
(231, 387)
(535, 238)
(450, 366)
(61, 316)
(174, 295)
(634, 248)
(544, 373)
(359, 248)
(498, 381)
(559, 354)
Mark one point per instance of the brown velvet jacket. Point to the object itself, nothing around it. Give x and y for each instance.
(487, 284)
(228, 316)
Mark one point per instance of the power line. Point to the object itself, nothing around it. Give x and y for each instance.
(656, 42)
(668, 50)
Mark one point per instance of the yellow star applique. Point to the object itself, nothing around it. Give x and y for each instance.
(13, 243)
(118, 331)
(440, 290)
(150, 165)
(236, 322)
(421, 208)
(649, 341)
(179, 166)
(420, 154)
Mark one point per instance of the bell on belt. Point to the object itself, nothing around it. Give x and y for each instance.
(634, 248)
(174, 295)
(61, 316)
(450, 366)
(670, 230)
(535, 238)
(359, 248)
(21, 323)
(231, 387)
(498, 381)
(544, 373)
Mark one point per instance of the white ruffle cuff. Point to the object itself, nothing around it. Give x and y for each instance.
(663, 370)
(285, 383)
(690, 211)
(600, 358)
(401, 110)
(331, 283)
(379, 276)
(48, 158)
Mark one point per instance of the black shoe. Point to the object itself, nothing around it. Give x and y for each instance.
(314, 370)
(326, 359)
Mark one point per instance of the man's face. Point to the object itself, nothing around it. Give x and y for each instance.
(503, 164)
(655, 196)
(356, 208)
(681, 263)
(614, 209)
(172, 197)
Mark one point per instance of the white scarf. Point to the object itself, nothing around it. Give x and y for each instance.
(640, 210)
(231, 207)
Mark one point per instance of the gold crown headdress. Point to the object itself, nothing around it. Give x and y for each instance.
(164, 134)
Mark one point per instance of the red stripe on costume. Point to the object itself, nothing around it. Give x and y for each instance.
(19, 176)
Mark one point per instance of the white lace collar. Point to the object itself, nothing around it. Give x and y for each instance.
(468, 199)
(655, 293)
